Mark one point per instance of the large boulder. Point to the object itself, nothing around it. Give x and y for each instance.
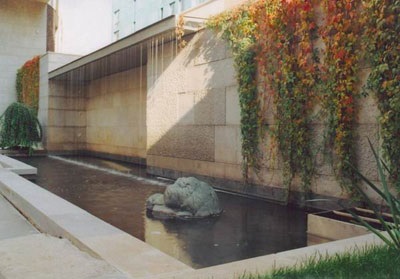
(188, 197)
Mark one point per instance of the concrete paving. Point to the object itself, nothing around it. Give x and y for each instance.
(26, 253)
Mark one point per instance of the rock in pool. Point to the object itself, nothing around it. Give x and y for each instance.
(187, 198)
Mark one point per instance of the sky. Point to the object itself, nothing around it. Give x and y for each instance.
(84, 26)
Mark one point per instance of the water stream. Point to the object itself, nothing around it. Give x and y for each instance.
(116, 192)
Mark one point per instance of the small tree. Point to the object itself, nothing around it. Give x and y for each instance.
(19, 127)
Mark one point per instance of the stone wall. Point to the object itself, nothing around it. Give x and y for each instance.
(66, 124)
(22, 36)
(193, 110)
(116, 114)
(49, 62)
(193, 124)
(105, 116)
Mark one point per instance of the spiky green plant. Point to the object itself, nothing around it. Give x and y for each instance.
(391, 228)
(19, 127)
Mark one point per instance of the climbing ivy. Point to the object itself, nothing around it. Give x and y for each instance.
(27, 83)
(340, 34)
(238, 29)
(180, 32)
(382, 44)
(289, 64)
(267, 34)
(273, 44)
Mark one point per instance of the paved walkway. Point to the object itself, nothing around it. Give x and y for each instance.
(27, 254)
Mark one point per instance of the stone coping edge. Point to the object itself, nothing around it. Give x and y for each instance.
(16, 166)
(60, 218)
(265, 264)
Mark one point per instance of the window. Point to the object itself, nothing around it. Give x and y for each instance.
(162, 13)
(116, 35)
(116, 19)
(172, 8)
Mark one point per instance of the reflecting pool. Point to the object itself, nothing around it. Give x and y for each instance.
(116, 192)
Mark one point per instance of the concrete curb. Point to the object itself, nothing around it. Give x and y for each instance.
(16, 166)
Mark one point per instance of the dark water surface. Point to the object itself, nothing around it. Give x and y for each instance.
(247, 228)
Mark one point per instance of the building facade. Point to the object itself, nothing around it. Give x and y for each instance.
(83, 26)
(130, 16)
(23, 35)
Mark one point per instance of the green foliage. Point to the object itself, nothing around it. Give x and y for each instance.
(289, 65)
(367, 263)
(342, 51)
(27, 83)
(18, 84)
(19, 127)
(392, 238)
(273, 43)
(382, 43)
(238, 29)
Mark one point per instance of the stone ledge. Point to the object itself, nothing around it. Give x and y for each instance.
(16, 166)
(265, 264)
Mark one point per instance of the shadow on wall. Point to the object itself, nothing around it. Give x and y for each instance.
(193, 115)
(193, 119)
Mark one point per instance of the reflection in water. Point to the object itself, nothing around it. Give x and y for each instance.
(247, 228)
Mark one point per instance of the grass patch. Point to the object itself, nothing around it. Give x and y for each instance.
(371, 262)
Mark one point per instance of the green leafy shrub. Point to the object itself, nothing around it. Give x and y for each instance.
(19, 127)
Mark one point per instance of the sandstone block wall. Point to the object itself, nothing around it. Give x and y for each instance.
(116, 114)
(49, 62)
(193, 112)
(104, 116)
(66, 124)
(193, 124)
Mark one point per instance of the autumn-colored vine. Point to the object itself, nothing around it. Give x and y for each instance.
(238, 28)
(180, 32)
(276, 38)
(27, 83)
(340, 34)
(382, 42)
(288, 62)
(266, 33)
